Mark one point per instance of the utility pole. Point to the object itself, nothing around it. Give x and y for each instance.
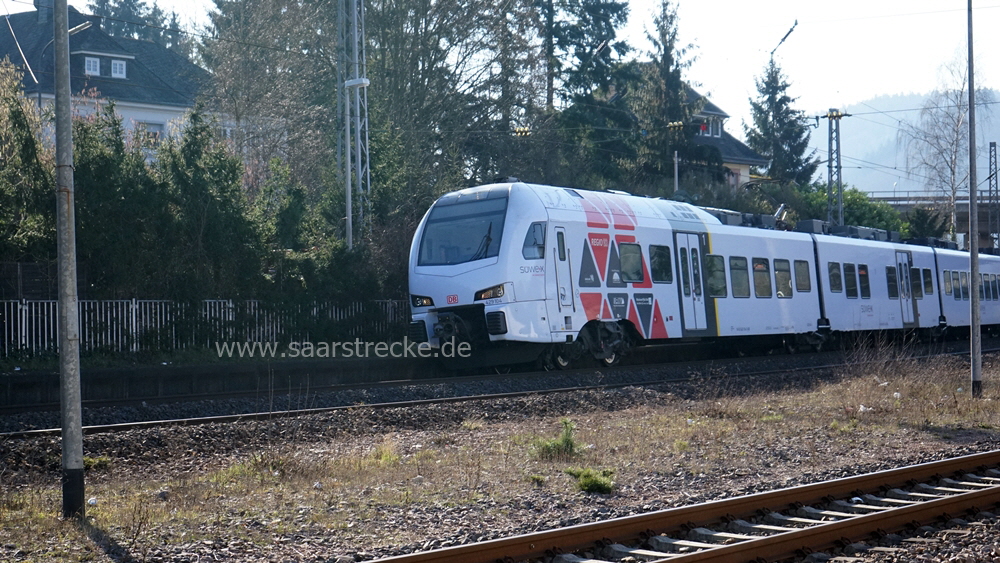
(975, 337)
(353, 102)
(833, 168)
(69, 318)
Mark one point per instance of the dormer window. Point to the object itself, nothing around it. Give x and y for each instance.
(716, 127)
(117, 69)
(92, 66)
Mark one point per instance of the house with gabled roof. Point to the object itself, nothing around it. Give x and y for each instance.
(152, 86)
(737, 157)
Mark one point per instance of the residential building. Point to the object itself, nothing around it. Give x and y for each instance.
(152, 87)
(736, 156)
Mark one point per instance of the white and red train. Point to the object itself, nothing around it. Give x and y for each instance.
(519, 270)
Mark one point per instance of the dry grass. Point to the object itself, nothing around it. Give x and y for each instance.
(343, 489)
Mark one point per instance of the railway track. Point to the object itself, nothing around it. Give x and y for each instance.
(705, 370)
(851, 513)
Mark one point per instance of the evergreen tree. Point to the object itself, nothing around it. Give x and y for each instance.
(925, 222)
(778, 131)
(580, 43)
(663, 109)
(134, 19)
(27, 226)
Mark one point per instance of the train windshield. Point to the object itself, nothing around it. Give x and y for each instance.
(462, 232)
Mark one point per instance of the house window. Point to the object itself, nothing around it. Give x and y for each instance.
(92, 66)
(149, 133)
(716, 127)
(118, 69)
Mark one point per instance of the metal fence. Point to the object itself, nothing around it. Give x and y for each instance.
(31, 328)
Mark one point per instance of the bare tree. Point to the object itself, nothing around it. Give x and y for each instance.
(937, 145)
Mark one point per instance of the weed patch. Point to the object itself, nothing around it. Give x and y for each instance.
(561, 448)
(591, 480)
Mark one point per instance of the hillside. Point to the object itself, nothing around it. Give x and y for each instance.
(872, 157)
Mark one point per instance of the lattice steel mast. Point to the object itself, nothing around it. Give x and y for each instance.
(352, 106)
(993, 200)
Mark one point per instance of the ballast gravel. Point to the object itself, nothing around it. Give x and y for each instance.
(379, 519)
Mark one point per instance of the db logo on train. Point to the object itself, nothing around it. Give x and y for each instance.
(452, 299)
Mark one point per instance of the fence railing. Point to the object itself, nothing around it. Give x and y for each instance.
(31, 328)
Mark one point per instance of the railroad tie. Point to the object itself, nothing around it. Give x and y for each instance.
(980, 478)
(665, 542)
(570, 558)
(967, 484)
(905, 495)
(722, 537)
(619, 551)
(779, 517)
(897, 502)
(858, 508)
(744, 526)
(808, 511)
(943, 491)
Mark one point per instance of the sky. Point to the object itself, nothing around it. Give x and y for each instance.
(839, 53)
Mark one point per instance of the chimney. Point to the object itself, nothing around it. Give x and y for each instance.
(44, 8)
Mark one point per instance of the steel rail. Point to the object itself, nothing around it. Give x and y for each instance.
(97, 429)
(338, 387)
(630, 528)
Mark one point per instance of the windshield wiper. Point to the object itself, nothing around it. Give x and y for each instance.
(484, 246)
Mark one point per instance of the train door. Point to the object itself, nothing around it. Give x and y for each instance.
(689, 265)
(903, 264)
(564, 273)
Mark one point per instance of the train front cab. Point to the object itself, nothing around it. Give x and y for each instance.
(477, 275)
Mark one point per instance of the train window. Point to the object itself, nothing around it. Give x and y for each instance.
(685, 274)
(965, 286)
(462, 232)
(891, 282)
(947, 282)
(802, 281)
(916, 287)
(561, 243)
(659, 264)
(982, 287)
(866, 290)
(631, 262)
(761, 277)
(993, 282)
(835, 281)
(534, 242)
(715, 275)
(739, 276)
(957, 283)
(695, 272)
(851, 281)
(783, 278)
(928, 282)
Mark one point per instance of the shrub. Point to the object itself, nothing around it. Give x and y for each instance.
(562, 447)
(592, 481)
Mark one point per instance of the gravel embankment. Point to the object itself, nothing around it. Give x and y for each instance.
(408, 504)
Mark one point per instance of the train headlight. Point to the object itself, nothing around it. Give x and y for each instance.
(421, 301)
(490, 293)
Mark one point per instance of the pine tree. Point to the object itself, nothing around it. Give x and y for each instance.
(778, 131)
(663, 112)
